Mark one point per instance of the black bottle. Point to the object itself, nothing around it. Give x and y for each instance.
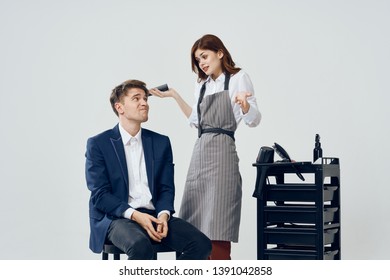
(317, 152)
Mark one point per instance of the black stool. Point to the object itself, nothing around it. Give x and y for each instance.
(112, 249)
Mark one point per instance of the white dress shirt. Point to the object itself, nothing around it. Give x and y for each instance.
(239, 82)
(139, 192)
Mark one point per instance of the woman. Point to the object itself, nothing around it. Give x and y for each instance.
(213, 190)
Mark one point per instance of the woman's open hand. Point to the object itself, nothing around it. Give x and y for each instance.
(241, 99)
(169, 93)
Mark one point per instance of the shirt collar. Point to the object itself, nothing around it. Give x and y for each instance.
(126, 137)
(220, 79)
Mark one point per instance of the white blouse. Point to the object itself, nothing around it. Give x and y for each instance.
(239, 82)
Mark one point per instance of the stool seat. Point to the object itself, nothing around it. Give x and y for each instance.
(109, 248)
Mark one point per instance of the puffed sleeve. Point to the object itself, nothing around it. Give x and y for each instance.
(193, 118)
(253, 117)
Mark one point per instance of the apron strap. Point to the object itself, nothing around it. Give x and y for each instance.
(227, 79)
(218, 131)
(201, 95)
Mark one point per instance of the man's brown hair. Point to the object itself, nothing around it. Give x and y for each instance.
(120, 91)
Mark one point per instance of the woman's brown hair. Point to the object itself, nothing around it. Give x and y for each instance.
(212, 43)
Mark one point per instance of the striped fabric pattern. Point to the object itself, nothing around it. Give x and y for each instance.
(213, 190)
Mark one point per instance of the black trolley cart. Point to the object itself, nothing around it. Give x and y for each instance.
(298, 220)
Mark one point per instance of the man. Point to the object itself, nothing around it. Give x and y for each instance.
(130, 173)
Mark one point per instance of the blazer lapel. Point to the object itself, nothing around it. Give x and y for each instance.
(117, 144)
(148, 153)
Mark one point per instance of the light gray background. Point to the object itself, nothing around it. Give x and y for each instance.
(317, 67)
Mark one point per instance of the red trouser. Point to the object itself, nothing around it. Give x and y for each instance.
(220, 250)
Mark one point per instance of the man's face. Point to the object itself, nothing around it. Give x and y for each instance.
(134, 106)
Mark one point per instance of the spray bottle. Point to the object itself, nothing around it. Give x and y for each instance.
(317, 152)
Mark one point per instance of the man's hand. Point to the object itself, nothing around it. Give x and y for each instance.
(162, 228)
(146, 222)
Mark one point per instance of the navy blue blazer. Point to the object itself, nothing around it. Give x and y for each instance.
(107, 178)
